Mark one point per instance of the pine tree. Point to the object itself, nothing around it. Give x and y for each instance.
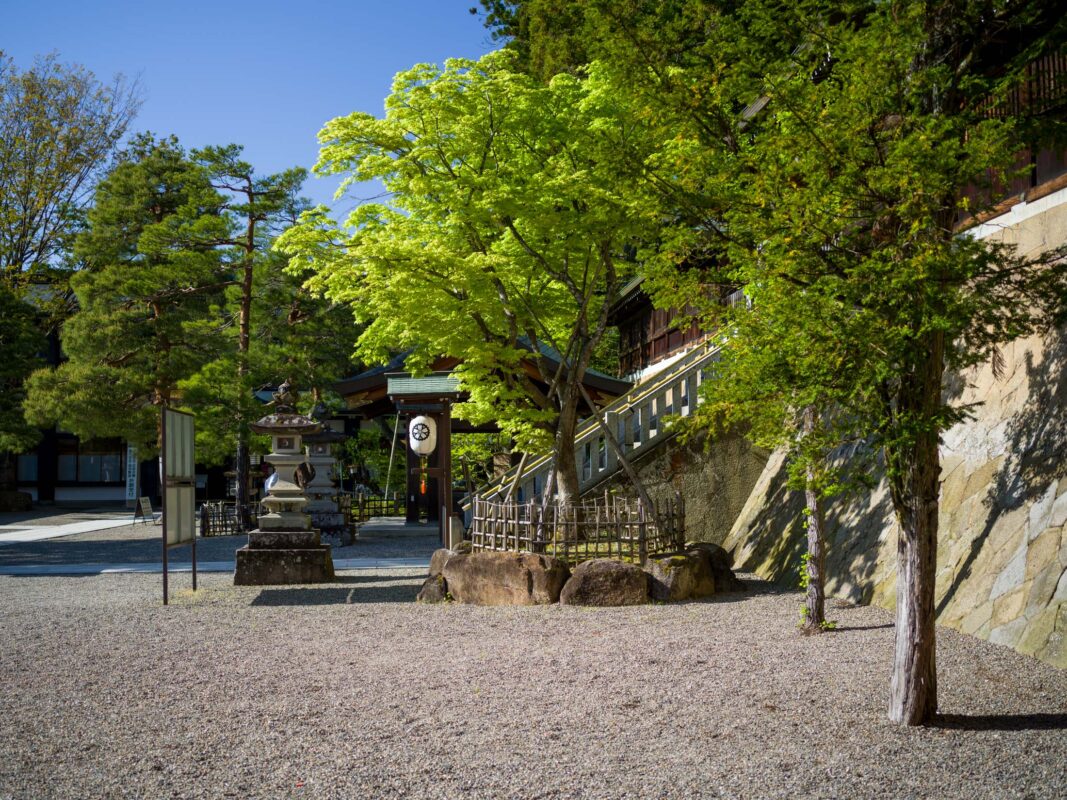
(151, 276)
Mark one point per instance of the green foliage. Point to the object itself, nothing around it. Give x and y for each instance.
(506, 219)
(152, 275)
(58, 127)
(822, 171)
(547, 37)
(266, 327)
(182, 302)
(841, 227)
(476, 451)
(370, 450)
(20, 343)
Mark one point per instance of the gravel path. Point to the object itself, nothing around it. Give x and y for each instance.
(350, 690)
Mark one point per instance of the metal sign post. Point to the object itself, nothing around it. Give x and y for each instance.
(179, 487)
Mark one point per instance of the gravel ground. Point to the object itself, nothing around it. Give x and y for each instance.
(132, 544)
(61, 515)
(349, 690)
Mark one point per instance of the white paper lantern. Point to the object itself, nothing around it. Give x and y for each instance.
(422, 435)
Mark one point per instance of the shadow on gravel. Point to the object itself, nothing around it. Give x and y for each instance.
(847, 628)
(111, 551)
(1001, 722)
(376, 590)
(755, 586)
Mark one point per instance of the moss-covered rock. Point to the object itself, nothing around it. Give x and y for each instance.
(434, 590)
(605, 582)
(680, 576)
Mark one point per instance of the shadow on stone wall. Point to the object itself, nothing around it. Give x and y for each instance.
(776, 539)
(1034, 450)
(715, 477)
(1002, 553)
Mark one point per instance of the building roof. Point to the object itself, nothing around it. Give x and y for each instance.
(369, 392)
(439, 384)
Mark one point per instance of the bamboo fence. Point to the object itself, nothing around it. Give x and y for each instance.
(610, 526)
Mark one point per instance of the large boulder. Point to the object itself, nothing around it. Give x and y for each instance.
(605, 582)
(439, 559)
(504, 579)
(440, 556)
(434, 590)
(721, 563)
(680, 576)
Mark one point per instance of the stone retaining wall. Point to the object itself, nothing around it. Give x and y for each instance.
(715, 479)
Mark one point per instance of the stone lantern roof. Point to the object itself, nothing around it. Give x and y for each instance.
(284, 420)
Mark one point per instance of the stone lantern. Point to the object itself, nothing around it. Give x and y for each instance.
(285, 548)
(320, 489)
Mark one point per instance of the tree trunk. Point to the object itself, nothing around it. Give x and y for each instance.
(242, 465)
(914, 485)
(815, 602)
(567, 480)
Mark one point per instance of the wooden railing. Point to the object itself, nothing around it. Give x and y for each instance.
(636, 419)
(613, 527)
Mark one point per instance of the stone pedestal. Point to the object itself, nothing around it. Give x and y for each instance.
(285, 548)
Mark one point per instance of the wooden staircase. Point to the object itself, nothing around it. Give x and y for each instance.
(637, 419)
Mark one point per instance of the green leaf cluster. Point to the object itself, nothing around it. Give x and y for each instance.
(504, 233)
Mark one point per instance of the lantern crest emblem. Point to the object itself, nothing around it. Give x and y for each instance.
(422, 435)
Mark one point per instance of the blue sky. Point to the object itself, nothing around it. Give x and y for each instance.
(264, 74)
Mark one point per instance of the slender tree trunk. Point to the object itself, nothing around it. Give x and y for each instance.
(567, 480)
(815, 601)
(816, 598)
(243, 466)
(914, 485)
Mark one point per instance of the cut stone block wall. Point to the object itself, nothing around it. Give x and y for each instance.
(715, 479)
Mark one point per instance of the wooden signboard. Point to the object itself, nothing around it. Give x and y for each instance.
(179, 487)
(144, 510)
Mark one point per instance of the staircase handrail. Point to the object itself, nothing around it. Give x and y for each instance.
(696, 359)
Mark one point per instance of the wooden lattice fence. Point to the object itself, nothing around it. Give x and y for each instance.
(609, 527)
(220, 518)
(361, 507)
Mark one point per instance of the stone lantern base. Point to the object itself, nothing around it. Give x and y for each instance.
(283, 557)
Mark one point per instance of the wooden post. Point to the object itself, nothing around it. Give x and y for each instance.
(444, 446)
(642, 534)
(414, 498)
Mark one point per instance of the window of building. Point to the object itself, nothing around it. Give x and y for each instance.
(27, 467)
(90, 462)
